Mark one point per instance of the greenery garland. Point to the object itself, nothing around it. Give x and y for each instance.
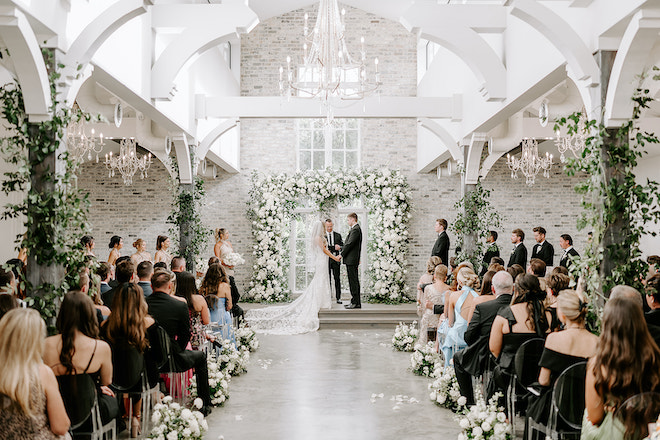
(273, 199)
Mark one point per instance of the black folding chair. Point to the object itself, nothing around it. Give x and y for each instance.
(81, 403)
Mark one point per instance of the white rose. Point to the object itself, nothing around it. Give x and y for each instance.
(465, 423)
(477, 431)
(172, 435)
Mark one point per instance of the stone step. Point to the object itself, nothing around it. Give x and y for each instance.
(369, 316)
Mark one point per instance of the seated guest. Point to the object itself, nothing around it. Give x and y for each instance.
(626, 362)
(497, 260)
(457, 311)
(213, 260)
(436, 292)
(7, 281)
(102, 311)
(485, 294)
(554, 284)
(103, 271)
(472, 361)
(623, 291)
(525, 319)
(652, 317)
(537, 267)
(160, 265)
(173, 316)
(31, 406)
(141, 253)
(77, 350)
(125, 273)
(454, 274)
(424, 280)
(559, 269)
(562, 349)
(178, 264)
(515, 270)
(495, 267)
(19, 268)
(7, 302)
(217, 292)
(144, 272)
(197, 308)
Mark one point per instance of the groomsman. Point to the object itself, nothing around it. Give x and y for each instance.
(566, 243)
(334, 246)
(441, 246)
(519, 253)
(542, 249)
(491, 251)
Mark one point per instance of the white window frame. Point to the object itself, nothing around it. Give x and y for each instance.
(329, 131)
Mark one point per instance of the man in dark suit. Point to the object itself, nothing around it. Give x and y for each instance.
(172, 315)
(542, 249)
(103, 271)
(144, 272)
(350, 254)
(652, 317)
(334, 246)
(492, 250)
(566, 243)
(472, 361)
(125, 273)
(441, 246)
(519, 253)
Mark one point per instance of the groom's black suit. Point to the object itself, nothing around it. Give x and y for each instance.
(350, 254)
(334, 266)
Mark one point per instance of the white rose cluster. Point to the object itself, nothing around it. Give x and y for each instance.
(484, 421)
(405, 336)
(444, 390)
(219, 379)
(172, 422)
(424, 359)
(246, 339)
(273, 197)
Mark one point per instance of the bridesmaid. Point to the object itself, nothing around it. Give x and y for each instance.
(141, 253)
(88, 243)
(162, 244)
(116, 243)
(221, 249)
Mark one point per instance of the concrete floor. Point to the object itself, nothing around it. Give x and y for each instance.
(320, 385)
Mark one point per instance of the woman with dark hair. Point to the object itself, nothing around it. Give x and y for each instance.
(116, 243)
(161, 255)
(626, 362)
(526, 318)
(197, 307)
(222, 249)
(77, 349)
(87, 241)
(215, 289)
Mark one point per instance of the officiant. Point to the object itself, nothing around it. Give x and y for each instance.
(334, 246)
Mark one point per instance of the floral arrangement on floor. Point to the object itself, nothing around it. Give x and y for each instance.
(423, 361)
(172, 421)
(218, 381)
(387, 197)
(485, 421)
(444, 389)
(231, 360)
(405, 336)
(246, 339)
(233, 259)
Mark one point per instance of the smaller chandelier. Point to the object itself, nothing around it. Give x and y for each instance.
(127, 162)
(80, 144)
(574, 141)
(530, 164)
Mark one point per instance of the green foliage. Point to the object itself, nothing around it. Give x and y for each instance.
(55, 210)
(475, 216)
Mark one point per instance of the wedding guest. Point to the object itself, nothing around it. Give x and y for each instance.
(160, 265)
(652, 317)
(515, 270)
(559, 269)
(437, 293)
(626, 362)
(7, 281)
(217, 292)
(144, 272)
(7, 302)
(424, 280)
(173, 316)
(161, 255)
(485, 294)
(495, 267)
(116, 243)
(654, 264)
(197, 307)
(537, 267)
(457, 310)
(103, 271)
(178, 264)
(222, 249)
(562, 349)
(141, 253)
(473, 360)
(555, 283)
(19, 268)
(441, 245)
(87, 242)
(85, 286)
(497, 260)
(519, 253)
(492, 251)
(454, 274)
(542, 249)
(566, 243)
(31, 406)
(78, 350)
(125, 273)
(213, 260)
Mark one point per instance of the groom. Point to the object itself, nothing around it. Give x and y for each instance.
(350, 255)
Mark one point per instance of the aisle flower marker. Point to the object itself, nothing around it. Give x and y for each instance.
(424, 360)
(405, 336)
(444, 389)
(172, 421)
(485, 421)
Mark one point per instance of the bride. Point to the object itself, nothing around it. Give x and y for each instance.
(302, 315)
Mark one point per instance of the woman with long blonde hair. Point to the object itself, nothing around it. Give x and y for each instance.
(221, 250)
(457, 310)
(141, 253)
(30, 402)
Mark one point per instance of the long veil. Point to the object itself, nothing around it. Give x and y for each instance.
(317, 234)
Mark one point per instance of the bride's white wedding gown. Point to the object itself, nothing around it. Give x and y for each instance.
(302, 315)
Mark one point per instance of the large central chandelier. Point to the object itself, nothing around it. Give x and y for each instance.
(530, 163)
(127, 162)
(328, 71)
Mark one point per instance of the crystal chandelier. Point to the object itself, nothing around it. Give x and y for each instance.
(127, 162)
(328, 70)
(530, 164)
(575, 140)
(81, 145)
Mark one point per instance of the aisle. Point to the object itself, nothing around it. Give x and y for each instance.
(319, 386)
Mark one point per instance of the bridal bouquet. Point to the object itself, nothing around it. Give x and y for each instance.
(424, 359)
(233, 259)
(405, 336)
(246, 339)
(218, 381)
(232, 361)
(485, 421)
(444, 389)
(172, 421)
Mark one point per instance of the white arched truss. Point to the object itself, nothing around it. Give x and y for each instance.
(213, 136)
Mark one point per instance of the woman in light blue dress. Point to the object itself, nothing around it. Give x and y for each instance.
(457, 311)
(217, 292)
